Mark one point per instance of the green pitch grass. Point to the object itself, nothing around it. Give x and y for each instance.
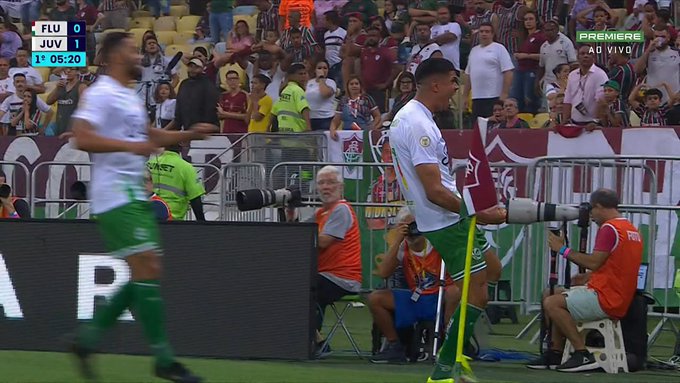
(43, 367)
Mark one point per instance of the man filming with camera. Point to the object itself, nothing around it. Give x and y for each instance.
(609, 291)
(339, 246)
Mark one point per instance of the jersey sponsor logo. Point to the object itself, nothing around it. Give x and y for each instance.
(160, 167)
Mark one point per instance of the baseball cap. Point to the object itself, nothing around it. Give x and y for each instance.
(612, 84)
(196, 62)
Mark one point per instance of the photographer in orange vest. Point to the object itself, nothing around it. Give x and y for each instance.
(11, 207)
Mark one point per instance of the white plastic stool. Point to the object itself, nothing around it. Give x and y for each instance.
(611, 357)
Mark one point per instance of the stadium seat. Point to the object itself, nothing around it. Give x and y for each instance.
(137, 34)
(44, 73)
(141, 22)
(164, 23)
(141, 13)
(172, 49)
(526, 117)
(350, 301)
(188, 23)
(166, 38)
(235, 67)
(539, 120)
(634, 119)
(183, 38)
(612, 357)
(178, 10)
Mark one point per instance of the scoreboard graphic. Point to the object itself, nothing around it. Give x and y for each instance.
(58, 44)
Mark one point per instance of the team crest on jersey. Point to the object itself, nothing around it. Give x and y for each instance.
(477, 254)
(425, 141)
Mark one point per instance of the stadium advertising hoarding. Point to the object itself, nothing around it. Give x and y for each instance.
(228, 294)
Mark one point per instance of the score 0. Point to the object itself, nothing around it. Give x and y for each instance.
(76, 36)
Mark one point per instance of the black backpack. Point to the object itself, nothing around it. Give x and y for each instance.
(634, 328)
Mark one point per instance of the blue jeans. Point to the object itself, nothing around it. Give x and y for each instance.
(523, 90)
(30, 12)
(159, 7)
(220, 25)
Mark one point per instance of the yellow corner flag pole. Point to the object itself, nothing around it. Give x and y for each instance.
(460, 358)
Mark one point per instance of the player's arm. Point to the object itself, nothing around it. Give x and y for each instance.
(162, 137)
(435, 192)
(87, 139)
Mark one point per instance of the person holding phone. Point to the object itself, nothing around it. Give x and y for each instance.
(660, 62)
(319, 92)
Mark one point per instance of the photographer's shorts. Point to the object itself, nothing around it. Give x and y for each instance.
(129, 229)
(451, 243)
(583, 305)
(407, 312)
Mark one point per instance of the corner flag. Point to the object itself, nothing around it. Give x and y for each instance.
(479, 192)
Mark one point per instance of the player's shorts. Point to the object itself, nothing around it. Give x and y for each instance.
(129, 229)
(583, 305)
(481, 239)
(451, 243)
(407, 312)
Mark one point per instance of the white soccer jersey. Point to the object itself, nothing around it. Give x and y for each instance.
(415, 139)
(115, 112)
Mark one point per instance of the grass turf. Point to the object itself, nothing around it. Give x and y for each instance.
(47, 367)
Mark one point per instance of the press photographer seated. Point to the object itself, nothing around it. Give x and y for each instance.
(400, 308)
(609, 291)
(11, 207)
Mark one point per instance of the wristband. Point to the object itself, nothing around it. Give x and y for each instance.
(14, 215)
(562, 250)
(566, 253)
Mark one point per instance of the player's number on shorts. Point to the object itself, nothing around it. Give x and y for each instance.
(76, 29)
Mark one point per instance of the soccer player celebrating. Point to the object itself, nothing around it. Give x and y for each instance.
(112, 123)
(421, 159)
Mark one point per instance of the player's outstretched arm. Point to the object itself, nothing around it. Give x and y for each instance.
(436, 193)
(162, 137)
(87, 139)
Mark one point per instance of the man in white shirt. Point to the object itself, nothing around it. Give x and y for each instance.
(661, 62)
(584, 89)
(6, 82)
(421, 158)
(13, 107)
(34, 80)
(489, 71)
(333, 39)
(154, 65)
(424, 49)
(447, 35)
(556, 50)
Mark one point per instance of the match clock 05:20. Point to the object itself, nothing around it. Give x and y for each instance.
(59, 59)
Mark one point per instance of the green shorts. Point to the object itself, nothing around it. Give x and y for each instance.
(451, 243)
(129, 229)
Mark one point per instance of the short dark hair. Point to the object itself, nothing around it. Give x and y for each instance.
(263, 79)
(201, 50)
(372, 28)
(112, 40)
(295, 67)
(558, 68)
(433, 66)
(552, 22)
(333, 17)
(599, 9)
(232, 72)
(295, 31)
(606, 198)
(661, 28)
(653, 92)
(487, 24)
(18, 75)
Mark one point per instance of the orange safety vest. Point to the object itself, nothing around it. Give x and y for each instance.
(159, 199)
(423, 272)
(616, 280)
(4, 213)
(342, 258)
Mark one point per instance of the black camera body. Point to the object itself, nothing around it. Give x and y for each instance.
(5, 191)
(413, 230)
(584, 214)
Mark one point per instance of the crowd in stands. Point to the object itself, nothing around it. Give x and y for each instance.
(303, 65)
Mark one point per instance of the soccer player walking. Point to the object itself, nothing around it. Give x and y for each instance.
(422, 161)
(112, 123)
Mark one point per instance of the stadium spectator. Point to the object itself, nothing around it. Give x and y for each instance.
(660, 63)
(653, 111)
(364, 9)
(66, 95)
(116, 13)
(352, 45)
(584, 89)
(33, 78)
(549, 9)
(600, 22)
(166, 102)
(333, 38)
(259, 105)
(612, 111)
(292, 110)
(196, 99)
(297, 50)
(512, 121)
(92, 17)
(267, 19)
(10, 42)
(239, 42)
(10, 206)
(233, 106)
(221, 19)
(483, 14)
(556, 50)
(423, 49)
(321, 7)
(527, 56)
(305, 10)
(320, 92)
(396, 309)
(21, 111)
(489, 72)
(62, 12)
(295, 25)
(6, 82)
(377, 69)
(447, 35)
(175, 181)
(356, 110)
(406, 90)
(622, 71)
(497, 119)
(614, 263)
(339, 245)
(267, 65)
(510, 18)
(395, 11)
(561, 72)
(155, 68)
